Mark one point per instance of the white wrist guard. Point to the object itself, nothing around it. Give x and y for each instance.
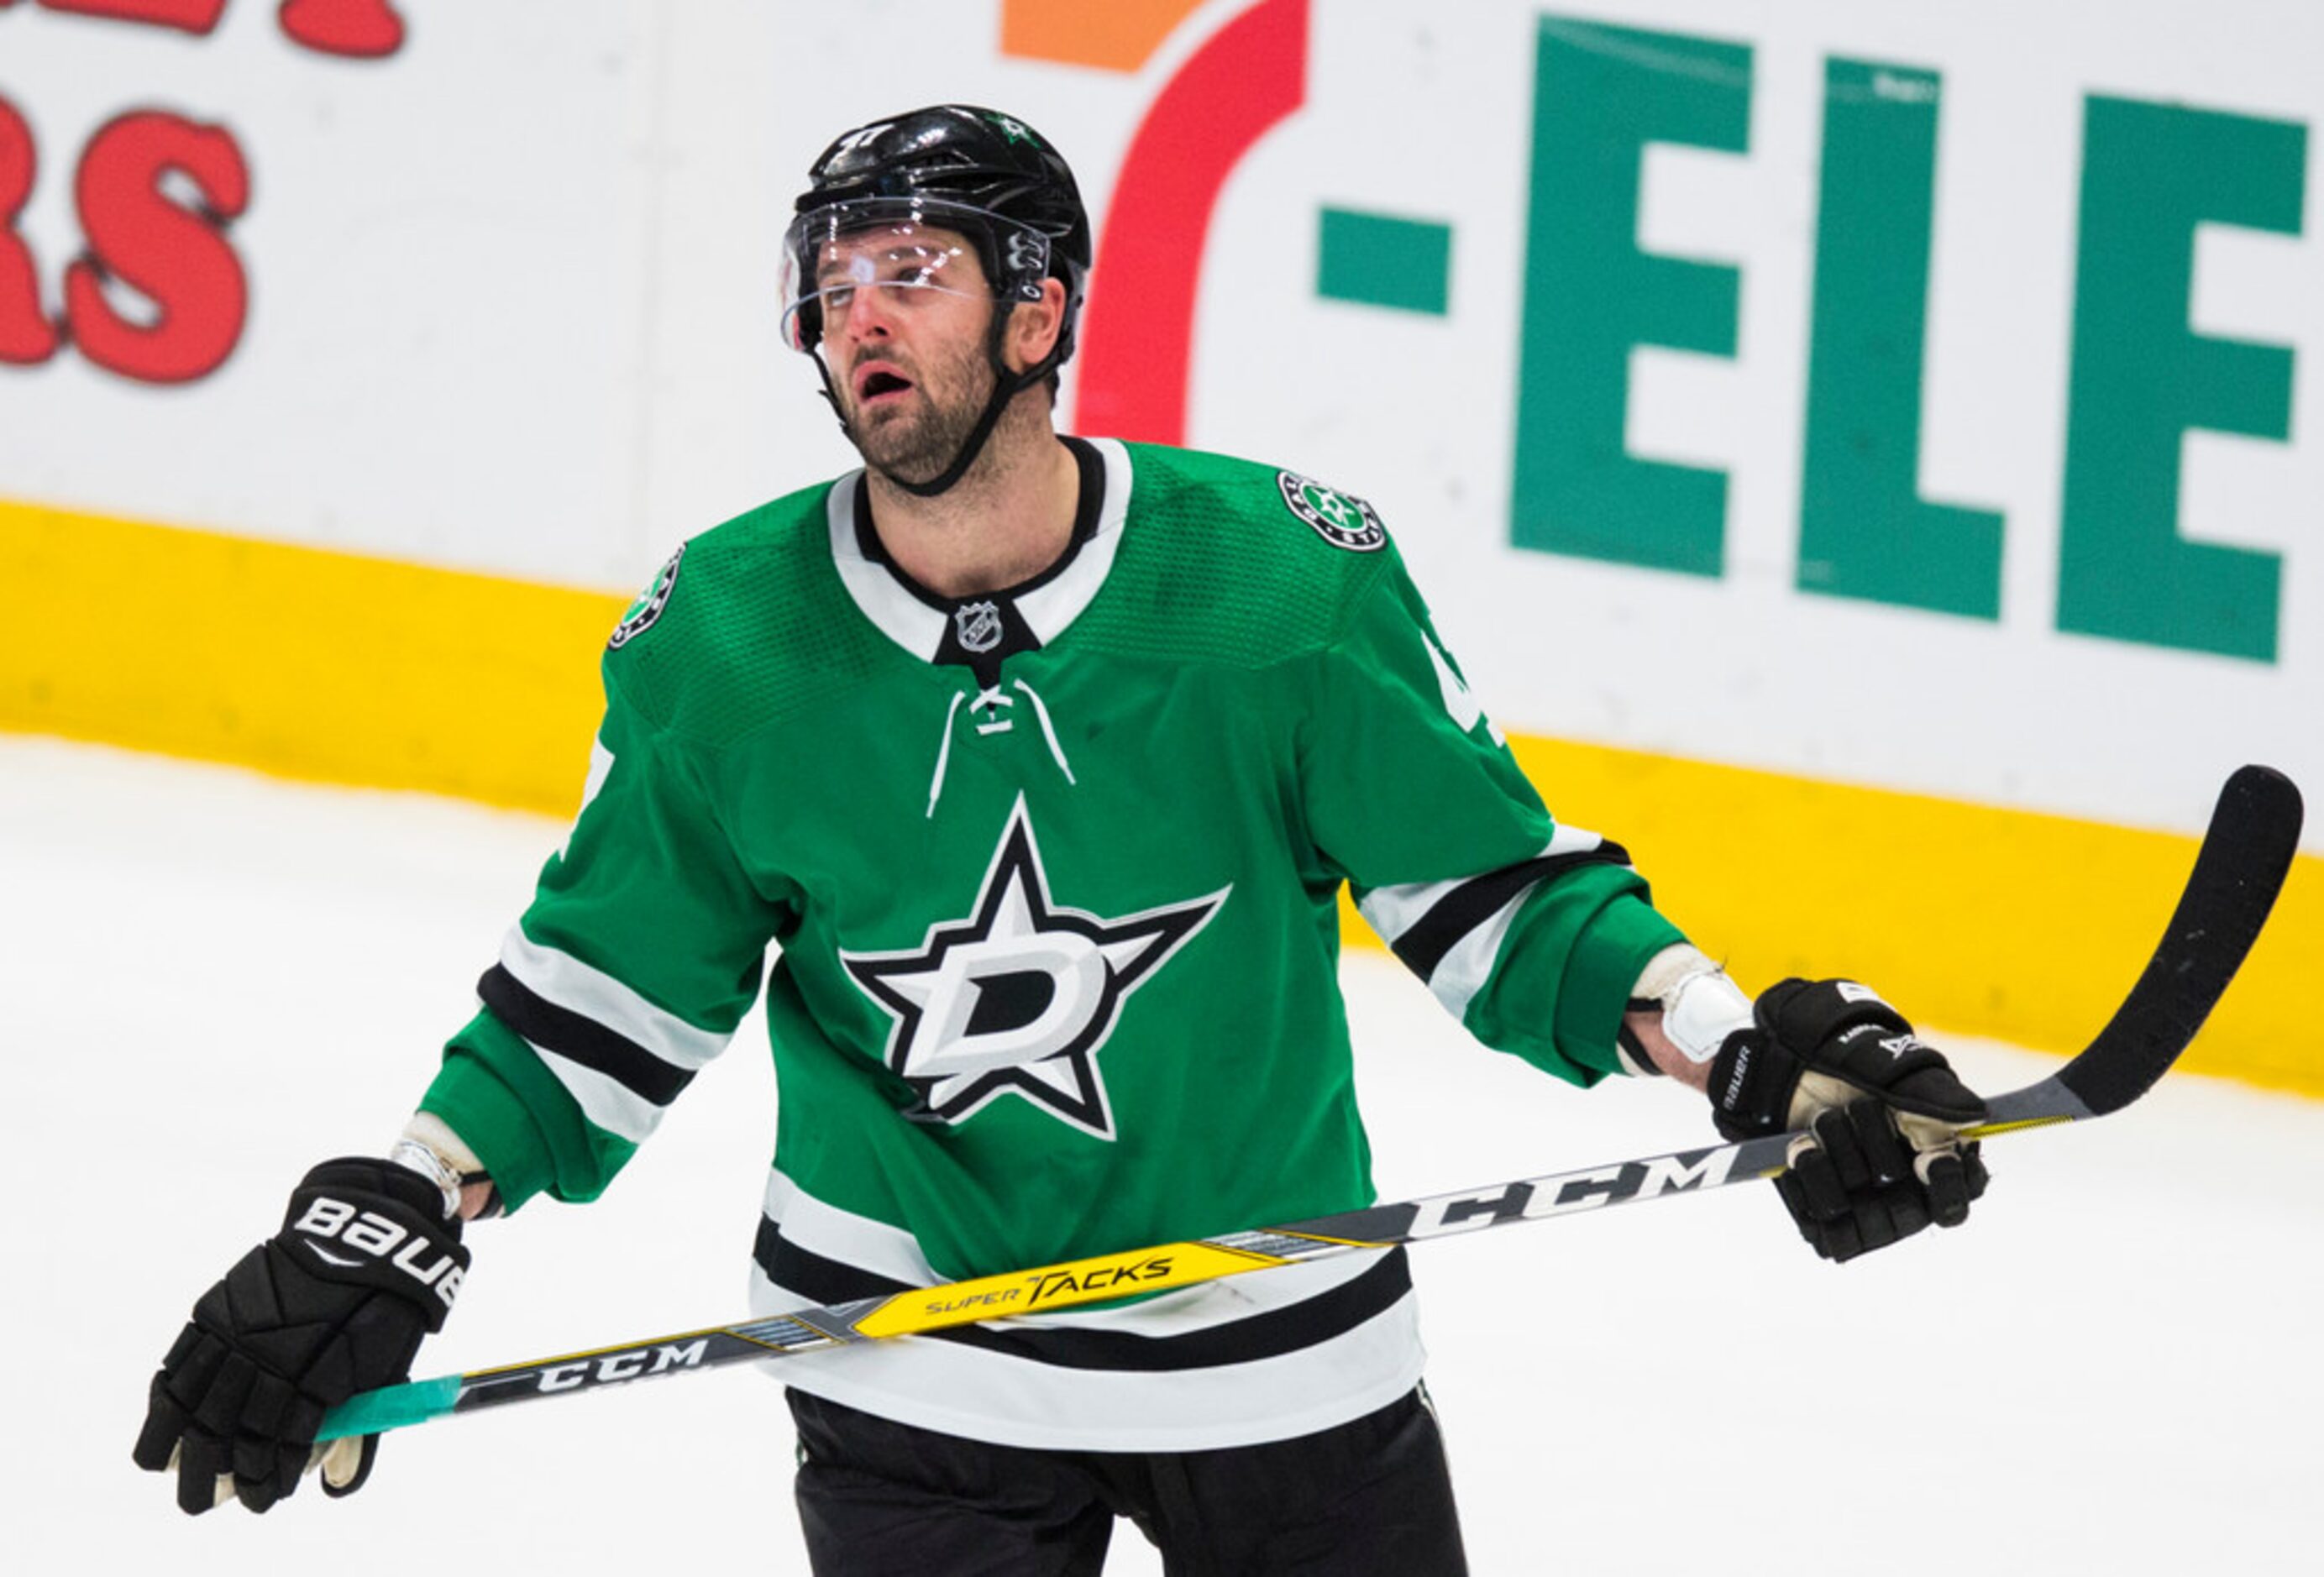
(1702, 1007)
(428, 1146)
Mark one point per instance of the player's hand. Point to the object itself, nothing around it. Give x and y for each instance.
(1885, 1107)
(336, 1303)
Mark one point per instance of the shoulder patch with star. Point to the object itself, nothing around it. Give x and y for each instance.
(1341, 519)
(650, 604)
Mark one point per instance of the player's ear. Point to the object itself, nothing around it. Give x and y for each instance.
(1034, 326)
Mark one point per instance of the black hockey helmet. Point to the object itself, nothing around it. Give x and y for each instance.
(983, 174)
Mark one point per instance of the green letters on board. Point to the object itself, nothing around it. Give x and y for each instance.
(1601, 95)
(2152, 172)
(1865, 530)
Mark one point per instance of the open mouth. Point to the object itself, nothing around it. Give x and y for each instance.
(879, 381)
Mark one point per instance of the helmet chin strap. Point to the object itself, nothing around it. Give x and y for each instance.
(1005, 388)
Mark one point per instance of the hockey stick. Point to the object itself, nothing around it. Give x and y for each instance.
(2244, 856)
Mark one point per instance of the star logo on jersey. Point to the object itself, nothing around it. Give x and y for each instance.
(1019, 997)
(1341, 519)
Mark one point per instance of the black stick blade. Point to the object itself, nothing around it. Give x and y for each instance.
(2246, 855)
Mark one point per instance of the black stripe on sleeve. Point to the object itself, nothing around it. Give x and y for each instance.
(583, 1040)
(1424, 945)
(1277, 1331)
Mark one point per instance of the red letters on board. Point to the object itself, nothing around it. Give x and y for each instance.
(176, 256)
(158, 292)
(26, 335)
(194, 16)
(362, 28)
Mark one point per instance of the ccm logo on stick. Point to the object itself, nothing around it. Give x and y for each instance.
(622, 1365)
(382, 1239)
(1568, 1191)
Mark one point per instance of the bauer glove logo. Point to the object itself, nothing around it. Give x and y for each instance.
(384, 1240)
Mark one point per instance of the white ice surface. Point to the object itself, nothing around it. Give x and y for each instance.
(213, 980)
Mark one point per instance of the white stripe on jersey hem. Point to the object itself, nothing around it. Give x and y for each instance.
(557, 976)
(844, 1236)
(1007, 1400)
(881, 1249)
(1394, 909)
(604, 1100)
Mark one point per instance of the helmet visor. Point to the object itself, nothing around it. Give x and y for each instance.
(898, 246)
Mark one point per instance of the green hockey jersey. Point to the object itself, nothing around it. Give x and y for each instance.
(1051, 875)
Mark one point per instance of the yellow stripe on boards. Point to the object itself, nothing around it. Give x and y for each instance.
(1982, 921)
(347, 670)
(299, 661)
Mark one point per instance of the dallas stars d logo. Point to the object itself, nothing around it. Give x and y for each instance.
(1018, 998)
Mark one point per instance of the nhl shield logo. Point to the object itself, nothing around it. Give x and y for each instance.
(1341, 519)
(978, 626)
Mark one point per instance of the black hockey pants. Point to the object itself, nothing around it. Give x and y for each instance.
(1369, 1498)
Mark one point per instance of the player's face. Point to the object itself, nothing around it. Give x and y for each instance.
(905, 311)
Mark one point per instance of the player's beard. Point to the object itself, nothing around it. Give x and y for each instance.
(919, 437)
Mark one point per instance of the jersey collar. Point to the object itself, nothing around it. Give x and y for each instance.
(980, 630)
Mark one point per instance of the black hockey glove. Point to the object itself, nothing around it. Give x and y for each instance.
(334, 1303)
(1885, 1107)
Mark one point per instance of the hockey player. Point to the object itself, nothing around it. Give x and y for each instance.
(1042, 760)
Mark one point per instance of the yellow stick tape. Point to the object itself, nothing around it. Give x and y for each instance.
(1063, 1286)
(334, 667)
